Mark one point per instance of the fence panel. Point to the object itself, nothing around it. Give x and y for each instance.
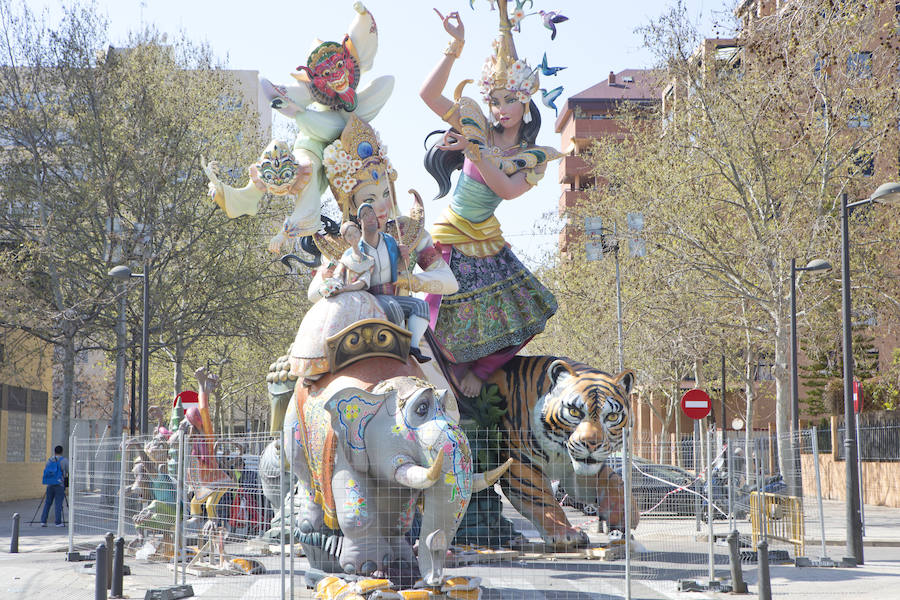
(231, 543)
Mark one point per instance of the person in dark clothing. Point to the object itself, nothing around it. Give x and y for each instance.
(56, 476)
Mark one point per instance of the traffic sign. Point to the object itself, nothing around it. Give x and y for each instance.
(857, 397)
(696, 404)
(187, 397)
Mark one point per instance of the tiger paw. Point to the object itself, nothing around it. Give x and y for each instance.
(573, 538)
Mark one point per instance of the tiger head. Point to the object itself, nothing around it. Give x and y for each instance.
(584, 412)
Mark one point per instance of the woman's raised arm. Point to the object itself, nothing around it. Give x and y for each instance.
(433, 87)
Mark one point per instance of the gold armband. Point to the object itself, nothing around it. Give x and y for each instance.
(473, 152)
(454, 48)
(533, 177)
(447, 114)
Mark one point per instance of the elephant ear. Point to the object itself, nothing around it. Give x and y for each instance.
(351, 409)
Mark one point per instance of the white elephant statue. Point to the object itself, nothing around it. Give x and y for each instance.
(364, 459)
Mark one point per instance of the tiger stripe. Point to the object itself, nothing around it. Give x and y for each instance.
(580, 414)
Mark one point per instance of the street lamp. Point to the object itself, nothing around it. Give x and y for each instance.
(123, 272)
(813, 265)
(889, 193)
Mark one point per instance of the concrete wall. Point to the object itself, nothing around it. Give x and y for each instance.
(26, 412)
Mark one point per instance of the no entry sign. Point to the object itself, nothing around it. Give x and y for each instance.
(188, 397)
(696, 404)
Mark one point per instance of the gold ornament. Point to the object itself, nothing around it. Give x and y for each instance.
(356, 159)
(503, 70)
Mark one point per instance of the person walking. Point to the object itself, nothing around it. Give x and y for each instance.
(56, 475)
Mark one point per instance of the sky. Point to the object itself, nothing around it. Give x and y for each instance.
(599, 37)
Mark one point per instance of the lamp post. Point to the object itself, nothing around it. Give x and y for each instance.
(889, 193)
(813, 265)
(123, 272)
(593, 230)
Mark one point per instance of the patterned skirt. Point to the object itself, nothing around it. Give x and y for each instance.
(500, 303)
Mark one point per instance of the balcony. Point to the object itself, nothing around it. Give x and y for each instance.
(584, 130)
(570, 166)
(571, 198)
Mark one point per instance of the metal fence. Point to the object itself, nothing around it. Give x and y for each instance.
(225, 536)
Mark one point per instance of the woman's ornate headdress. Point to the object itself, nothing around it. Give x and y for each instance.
(357, 158)
(503, 69)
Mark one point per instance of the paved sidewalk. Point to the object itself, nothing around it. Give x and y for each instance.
(40, 570)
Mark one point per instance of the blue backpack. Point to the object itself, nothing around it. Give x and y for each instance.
(53, 474)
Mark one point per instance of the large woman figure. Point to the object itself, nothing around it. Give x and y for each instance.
(500, 305)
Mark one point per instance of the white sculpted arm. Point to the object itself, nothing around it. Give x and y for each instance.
(236, 202)
(364, 34)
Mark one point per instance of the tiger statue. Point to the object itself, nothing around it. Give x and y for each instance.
(562, 419)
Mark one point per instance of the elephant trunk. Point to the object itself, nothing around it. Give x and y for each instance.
(418, 477)
(445, 502)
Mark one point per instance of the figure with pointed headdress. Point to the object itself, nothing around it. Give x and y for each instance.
(500, 305)
(360, 173)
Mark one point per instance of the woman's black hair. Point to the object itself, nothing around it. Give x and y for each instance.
(440, 164)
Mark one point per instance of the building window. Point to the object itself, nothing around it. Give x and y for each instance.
(765, 369)
(863, 164)
(859, 116)
(859, 64)
(17, 408)
(864, 317)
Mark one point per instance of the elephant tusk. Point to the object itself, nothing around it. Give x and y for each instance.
(482, 481)
(420, 478)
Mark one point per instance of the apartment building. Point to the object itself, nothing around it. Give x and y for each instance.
(586, 116)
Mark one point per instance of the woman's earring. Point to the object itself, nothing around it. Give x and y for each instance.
(526, 118)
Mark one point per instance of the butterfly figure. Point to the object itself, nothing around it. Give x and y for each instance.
(549, 98)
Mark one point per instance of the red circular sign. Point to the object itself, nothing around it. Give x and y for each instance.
(187, 397)
(696, 404)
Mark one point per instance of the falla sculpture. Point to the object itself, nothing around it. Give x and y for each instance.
(371, 427)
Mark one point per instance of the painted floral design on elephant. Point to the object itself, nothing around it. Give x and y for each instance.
(355, 503)
(354, 413)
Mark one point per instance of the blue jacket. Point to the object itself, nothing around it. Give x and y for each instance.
(393, 252)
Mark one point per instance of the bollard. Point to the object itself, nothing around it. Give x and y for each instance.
(109, 550)
(118, 568)
(765, 585)
(100, 571)
(737, 575)
(14, 538)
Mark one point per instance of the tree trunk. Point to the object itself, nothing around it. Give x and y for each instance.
(783, 400)
(178, 371)
(679, 454)
(749, 395)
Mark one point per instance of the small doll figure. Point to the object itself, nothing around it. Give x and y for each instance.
(354, 271)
